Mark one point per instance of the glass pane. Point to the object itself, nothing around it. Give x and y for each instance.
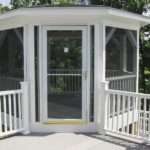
(64, 66)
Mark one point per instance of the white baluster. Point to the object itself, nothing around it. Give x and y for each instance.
(10, 112)
(0, 116)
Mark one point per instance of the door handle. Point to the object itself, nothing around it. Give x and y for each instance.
(85, 75)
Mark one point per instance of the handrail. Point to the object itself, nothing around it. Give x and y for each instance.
(140, 95)
(120, 77)
(11, 78)
(10, 92)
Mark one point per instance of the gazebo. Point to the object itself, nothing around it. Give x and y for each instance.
(78, 67)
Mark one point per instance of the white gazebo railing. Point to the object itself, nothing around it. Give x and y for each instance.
(123, 83)
(127, 113)
(14, 111)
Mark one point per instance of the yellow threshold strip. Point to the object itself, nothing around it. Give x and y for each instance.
(65, 122)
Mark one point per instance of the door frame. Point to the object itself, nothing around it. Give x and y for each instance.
(85, 68)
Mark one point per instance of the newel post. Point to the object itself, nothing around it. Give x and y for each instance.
(25, 106)
(103, 106)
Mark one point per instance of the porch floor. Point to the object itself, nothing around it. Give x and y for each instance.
(68, 141)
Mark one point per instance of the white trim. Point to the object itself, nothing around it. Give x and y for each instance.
(88, 62)
(39, 127)
(120, 77)
(44, 68)
(137, 63)
(99, 70)
(76, 11)
(30, 68)
(40, 71)
(121, 25)
(25, 51)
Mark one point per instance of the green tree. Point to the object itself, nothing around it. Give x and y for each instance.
(24, 3)
(135, 6)
(3, 8)
(145, 59)
(66, 1)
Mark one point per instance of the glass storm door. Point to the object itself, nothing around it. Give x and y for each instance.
(64, 73)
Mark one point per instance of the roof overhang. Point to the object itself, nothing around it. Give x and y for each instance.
(101, 11)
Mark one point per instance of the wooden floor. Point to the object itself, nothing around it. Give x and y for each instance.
(68, 141)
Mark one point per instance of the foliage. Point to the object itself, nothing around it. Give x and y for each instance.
(128, 5)
(58, 86)
(23, 3)
(145, 59)
(3, 8)
(66, 1)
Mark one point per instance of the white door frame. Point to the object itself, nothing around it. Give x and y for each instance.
(85, 67)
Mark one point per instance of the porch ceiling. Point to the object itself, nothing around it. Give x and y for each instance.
(77, 10)
(68, 141)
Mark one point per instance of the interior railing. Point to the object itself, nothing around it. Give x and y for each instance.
(65, 81)
(9, 83)
(123, 81)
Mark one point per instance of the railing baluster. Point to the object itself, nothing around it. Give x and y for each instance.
(123, 111)
(108, 113)
(5, 113)
(10, 112)
(149, 124)
(0, 115)
(139, 120)
(113, 113)
(144, 117)
(19, 107)
(15, 110)
(128, 111)
(133, 114)
(118, 111)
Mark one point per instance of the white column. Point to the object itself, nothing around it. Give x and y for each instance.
(99, 73)
(25, 107)
(137, 63)
(103, 107)
(29, 72)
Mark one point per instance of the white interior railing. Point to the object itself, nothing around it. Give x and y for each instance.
(13, 110)
(113, 73)
(64, 81)
(128, 113)
(123, 83)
